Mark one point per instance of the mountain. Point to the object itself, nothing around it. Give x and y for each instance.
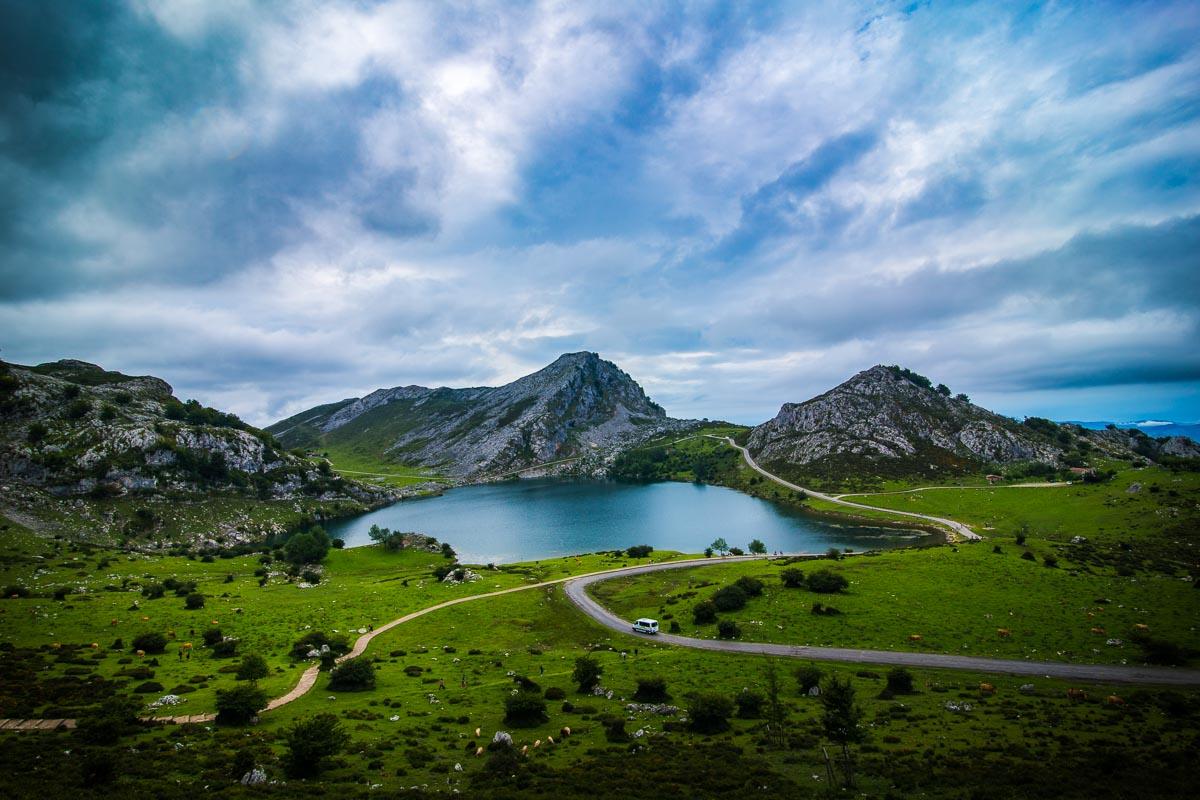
(580, 407)
(892, 422)
(73, 429)
(1155, 428)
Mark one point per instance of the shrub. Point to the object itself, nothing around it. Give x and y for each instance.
(704, 612)
(614, 729)
(211, 636)
(899, 680)
(554, 693)
(194, 601)
(651, 690)
(587, 673)
(736, 551)
(821, 609)
(16, 590)
(1158, 651)
(149, 687)
(307, 547)
(1050, 561)
(792, 578)
(308, 576)
(729, 598)
(115, 717)
(337, 544)
(152, 642)
(239, 705)
(354, 675)
(833, 554)
(1028, 556)
(253, 668)
(226, 648)
(674, 627)
(153, 591)
(808, 677)
(311, 741)
(36, 433)
(824, 581)
(752, 587)
(78, 409)
(315, 640)
(728, 629)
(525, 709)
(709, 712)
(749, 704)
(640, 551)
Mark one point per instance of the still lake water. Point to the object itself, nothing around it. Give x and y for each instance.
(533, 519)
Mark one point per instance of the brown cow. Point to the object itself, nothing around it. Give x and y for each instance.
(1141, 626)
(987, 688)
(1113, 700)
(1098, 631)
(916, 637)
(1076, 694)
(1003, 633)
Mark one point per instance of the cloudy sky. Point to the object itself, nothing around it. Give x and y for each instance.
(273, 205)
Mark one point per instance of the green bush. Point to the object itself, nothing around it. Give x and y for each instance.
(525, 709)
(808, 676)
(704, 612)
(226, 648)
(899, 680)
(752, 587)
(239, 705)
(728, 629)
(640, 551)
(151, 642)
(194, 601)
(554, 693)
(792, 578)
(115, 717)
(749, 704)
(253, 668)
(211, 636)
(729, 598)
(651, 690)
(355, 675)
(825, 581)
(709, 712)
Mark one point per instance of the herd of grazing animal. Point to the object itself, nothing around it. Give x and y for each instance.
(563, 733)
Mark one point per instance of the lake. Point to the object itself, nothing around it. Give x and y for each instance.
(544, 518)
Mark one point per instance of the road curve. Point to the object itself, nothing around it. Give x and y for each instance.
(956, 528)
(576, 589)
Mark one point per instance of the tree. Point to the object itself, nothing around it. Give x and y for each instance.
(962, 398)
(709, 712)
(587, 673)
(115, 717)
(720, 545)
(840, 721)
(808, 677)
(307, 547)
(354, 675)
(776, 710)
(152, 642)
(640, 551)
(239, 705)
(728, 629)
(752, 587)
(651, 690)
(36, 433)
(899, 680)
(792, 578)
(525, 709)
(729, 598)
(757, 547)
(704, 613)
(749, 703)
(313, 740)
(824, 581)
(943, 390)
(253, 668)
(194, 601)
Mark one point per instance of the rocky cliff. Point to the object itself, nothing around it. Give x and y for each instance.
(74, 429)
(580, 408)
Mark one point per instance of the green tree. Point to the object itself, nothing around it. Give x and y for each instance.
(307, 547)
(587, 673)
(840, 720)
(311, 741)
(792, 578)
(757, 547)
(239, 705)
(776, 711)
(825, 581)
(525, 709)
(194, 601)
(709, 712)
(720, 545)
(253, 668)
(704, 613)
(354, 675)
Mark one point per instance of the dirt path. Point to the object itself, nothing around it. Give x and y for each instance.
(957, 529)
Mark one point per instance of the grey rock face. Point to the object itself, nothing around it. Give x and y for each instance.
(879, 413)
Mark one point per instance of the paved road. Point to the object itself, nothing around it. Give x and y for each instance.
(1039, 485)
(956, 528)
(576, 589)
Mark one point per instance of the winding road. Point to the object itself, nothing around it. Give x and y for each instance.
(957, 529)
(576, 590)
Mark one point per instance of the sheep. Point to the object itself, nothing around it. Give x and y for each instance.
(478, 732)
(549, 739)
(478, 752)
(537, 743)
(141, 654)
(525, 750)
(94, 645)
(565, 732)
(987, 688)
(1003, 633)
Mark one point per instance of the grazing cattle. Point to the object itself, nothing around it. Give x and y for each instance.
(1141, 626)
(916, 637)
(1003, 633)
(141, 653)
(478, 732)
(1098, 631)
(537, 744)
(565, 732)
(95, 645)
(1113, 700)
(113, 621)
(145, 619)
(478, 752)
(1076, 695)
(549, 739)
(987, 688)
(525, 750)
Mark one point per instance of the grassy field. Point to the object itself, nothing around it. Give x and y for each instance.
(411, 731)
(366, 468)
(362, 587)
(954, 598)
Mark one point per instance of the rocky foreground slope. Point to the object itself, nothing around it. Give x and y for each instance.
(580, 408)
(891, 421)
(73, 429)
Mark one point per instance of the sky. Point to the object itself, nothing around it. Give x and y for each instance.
(275, 205)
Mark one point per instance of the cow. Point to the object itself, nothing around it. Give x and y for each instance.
(565, 732)
(987, 688)
(1076, 695)
(1113, 700)
(916, 637)
(1098, 631)
(1142, 627)
(1003, 633)
(478, 752)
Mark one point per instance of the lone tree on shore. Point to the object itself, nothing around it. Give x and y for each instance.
(720, 545)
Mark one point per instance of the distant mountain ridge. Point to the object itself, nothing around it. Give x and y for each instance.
(580, 407)
(1154, 428)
